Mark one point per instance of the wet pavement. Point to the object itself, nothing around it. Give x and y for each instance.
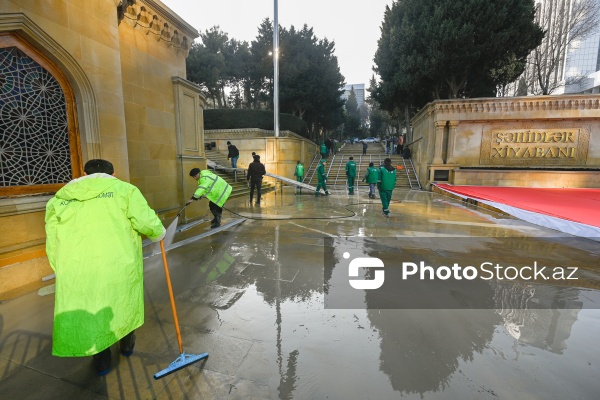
(253, 297)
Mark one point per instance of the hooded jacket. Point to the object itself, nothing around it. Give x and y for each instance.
(93, 242)
(387, 177)
(321, 177)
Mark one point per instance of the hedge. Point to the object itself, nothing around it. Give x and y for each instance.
(225, 118)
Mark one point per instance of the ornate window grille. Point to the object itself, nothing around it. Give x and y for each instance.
(39, 150)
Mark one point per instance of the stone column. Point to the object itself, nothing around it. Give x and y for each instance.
(451, 142)
(439, 141)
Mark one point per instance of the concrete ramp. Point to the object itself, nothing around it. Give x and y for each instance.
(292, 182)
(215, 165)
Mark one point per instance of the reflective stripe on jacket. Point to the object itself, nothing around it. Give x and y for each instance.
(213, 187)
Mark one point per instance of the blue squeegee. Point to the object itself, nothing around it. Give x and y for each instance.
(184, 359)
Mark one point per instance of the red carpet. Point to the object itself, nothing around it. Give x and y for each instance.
(576, 205)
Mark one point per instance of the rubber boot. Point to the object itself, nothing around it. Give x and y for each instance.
(127, 344)
(217, 222)
(214, 220)
(102, 361)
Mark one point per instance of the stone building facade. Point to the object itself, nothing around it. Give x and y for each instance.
(536, 141)
(82, 80)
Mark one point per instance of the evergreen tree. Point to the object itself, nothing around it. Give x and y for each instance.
(432, 49)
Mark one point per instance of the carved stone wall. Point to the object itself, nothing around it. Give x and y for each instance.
(154, 21)
(556, 133)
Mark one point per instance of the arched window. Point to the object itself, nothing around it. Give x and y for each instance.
(39, 143)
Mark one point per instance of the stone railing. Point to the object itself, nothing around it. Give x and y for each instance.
(519, 104)
(559, 106)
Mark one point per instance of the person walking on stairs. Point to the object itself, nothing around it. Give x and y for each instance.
(232, 153)
(350, 174)
(322, 178)
(323, 149)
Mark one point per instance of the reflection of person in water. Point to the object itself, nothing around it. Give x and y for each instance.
(421, 349)
(539, 315)
(423, 339)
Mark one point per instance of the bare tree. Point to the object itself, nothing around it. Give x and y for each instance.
(565, 22)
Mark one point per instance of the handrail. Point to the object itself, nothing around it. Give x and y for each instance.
(311, 165)
(415, 172)
(337, 175)
(413, 142)
(407, 173)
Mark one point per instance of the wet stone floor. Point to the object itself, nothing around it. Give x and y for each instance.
(265, 299)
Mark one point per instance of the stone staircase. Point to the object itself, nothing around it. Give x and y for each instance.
(237, 181)
(336, 166)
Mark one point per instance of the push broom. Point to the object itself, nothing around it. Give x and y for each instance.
(184, 359)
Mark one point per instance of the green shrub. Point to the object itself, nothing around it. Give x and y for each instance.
(225, 118)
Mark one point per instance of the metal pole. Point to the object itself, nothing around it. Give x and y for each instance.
(276, 70)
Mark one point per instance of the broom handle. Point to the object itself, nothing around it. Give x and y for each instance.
(164, 257)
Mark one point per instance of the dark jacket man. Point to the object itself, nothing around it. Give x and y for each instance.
(233, 154)
(256, 171)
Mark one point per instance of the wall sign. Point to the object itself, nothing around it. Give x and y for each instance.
(532, 147)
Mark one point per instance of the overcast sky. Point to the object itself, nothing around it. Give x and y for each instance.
(352, 24)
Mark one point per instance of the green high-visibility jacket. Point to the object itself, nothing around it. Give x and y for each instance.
(299, 170)
(93, 243)
(321, 177)
(387, 179)
(372, 175)
(323, 148)
(213, 187)
(351, 169)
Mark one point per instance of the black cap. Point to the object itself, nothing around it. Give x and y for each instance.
(228, 142)
(194, 171)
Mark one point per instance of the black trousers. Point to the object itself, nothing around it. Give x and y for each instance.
(255, 183)
(215, 209)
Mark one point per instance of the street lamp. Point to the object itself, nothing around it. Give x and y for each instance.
(276, 70)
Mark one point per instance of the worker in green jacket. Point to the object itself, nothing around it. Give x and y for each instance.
(323, 149)
(386, 183)
(215, 189)
(322, 178)
(299, 174)
(93, 242)
(371, 177)
(350, 174)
